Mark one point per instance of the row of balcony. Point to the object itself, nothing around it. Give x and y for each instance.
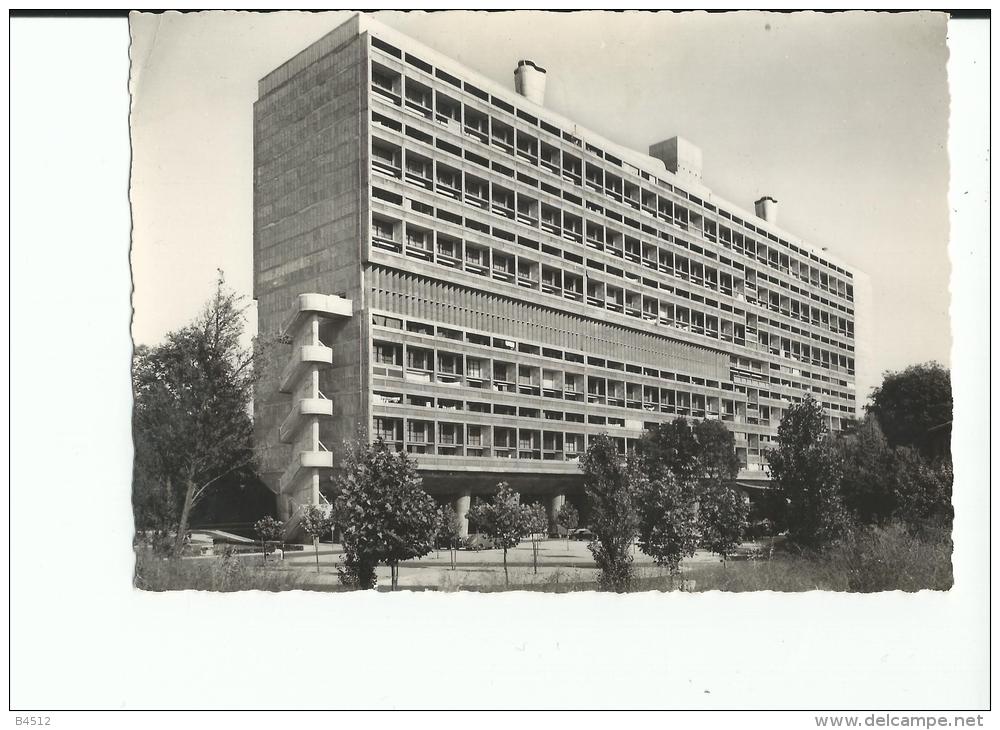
(438, 177)
(500, 442)
(428, 243)
(685, 405)
(433, 106)
(480, 370)
(526, 273)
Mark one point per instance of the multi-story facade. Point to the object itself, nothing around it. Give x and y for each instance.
(486, 285)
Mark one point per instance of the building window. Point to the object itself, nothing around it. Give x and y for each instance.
(386, 354)
(447, 434)
(417, 432)
(385, 429)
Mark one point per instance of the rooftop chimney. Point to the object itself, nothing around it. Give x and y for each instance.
(529, 81)
(767, 209)
(680, 157)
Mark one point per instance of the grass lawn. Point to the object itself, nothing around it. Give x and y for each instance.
(875, 559)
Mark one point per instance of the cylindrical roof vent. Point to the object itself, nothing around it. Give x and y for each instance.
(529, 81)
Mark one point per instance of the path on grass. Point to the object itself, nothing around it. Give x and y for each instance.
(558, 562)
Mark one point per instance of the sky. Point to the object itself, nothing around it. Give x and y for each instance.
(841, 117)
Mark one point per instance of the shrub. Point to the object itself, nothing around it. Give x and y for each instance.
(922, 488)
(868, 473)
(806, 472)
(668, 520)
(893, 558)
(385, 516)
(723, 518)
(612, 482)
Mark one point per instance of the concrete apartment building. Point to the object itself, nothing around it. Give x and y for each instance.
(486, 285)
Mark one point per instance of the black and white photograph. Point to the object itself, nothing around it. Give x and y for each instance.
(517, 359)
(475, 345)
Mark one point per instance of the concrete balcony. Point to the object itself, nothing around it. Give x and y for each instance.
(301, 465)
(300, 414)
(324, 305)
(303, 357)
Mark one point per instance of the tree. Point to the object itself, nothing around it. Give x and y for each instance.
(536, 522)
(191, 420)
(611, 483)
(723, 518)
(922, 489)
(384, 514)
(909, 404)
(686, 464)
(568, 518)
(316, 524)
(670, 448)
(450, 530)
(716, 454)
(868, 473)
(269, 530)
(806, 474)
(689, 451)
(501, 519)
(668, 519)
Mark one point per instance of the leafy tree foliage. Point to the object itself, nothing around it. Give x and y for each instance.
(568, 518)
(898, 475)
(156, 502)
(910, 403)
(269, 530)
(450, 530)
(867, 482)
(383, 513)
(612, 483)
(668, 519)
(717, 458)
(536, 522)
(723, 518)
(922, 489)
(688, 464)
(670, 448)
(502, 519)
(689, 451)
(316, 523)
(191, 421)
(806, 473)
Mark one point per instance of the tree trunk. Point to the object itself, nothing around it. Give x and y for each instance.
(394, 571)
(534, 554)
(316, 546)
(506, 578)
(185, 516)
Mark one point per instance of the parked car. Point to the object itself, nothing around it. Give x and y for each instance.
(581, 533)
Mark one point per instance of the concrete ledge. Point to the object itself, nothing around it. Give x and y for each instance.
(301, 464)
(302, 358)
(324, 305)
(301, 410)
